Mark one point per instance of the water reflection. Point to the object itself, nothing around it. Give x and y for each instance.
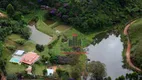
(104, 35)
(108, 50)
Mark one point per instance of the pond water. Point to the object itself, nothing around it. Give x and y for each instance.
(39, 37)
(109, 51)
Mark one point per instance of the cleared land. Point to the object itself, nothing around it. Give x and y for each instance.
(2, 15)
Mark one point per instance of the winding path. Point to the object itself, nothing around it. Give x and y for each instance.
(128, 57)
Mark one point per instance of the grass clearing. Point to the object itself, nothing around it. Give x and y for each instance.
(14, 37)
(49, 22)
(62, 27)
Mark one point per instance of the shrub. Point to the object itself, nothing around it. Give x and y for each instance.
(44, 59)
(71, 59)
(62, 74)
(11, 47)
(11, 77)
(35, 18)
(50, 46)
(25, 32)
(64, 39)
(53, 43)
(46, 16)
(17, 16)
(38, 62)
(20, 41)
(10, 10)
(44, 72)
(39, 47)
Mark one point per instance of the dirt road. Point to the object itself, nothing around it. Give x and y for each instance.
(128, 52)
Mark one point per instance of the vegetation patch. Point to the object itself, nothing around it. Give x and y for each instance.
(62, 27)
(49, 22)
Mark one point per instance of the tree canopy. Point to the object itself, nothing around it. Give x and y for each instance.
(97, 70)
(88, 15)
(10, 10)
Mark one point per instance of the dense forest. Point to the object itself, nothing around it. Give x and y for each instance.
(88, 15)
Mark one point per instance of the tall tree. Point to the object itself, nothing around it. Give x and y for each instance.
(97, 70)
(10, 10)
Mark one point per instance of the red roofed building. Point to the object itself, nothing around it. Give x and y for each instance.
(29, 58)
(74, 35)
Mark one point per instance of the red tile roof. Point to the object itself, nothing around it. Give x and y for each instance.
(29, 58)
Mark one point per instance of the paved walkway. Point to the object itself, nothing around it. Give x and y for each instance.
(128, 52)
